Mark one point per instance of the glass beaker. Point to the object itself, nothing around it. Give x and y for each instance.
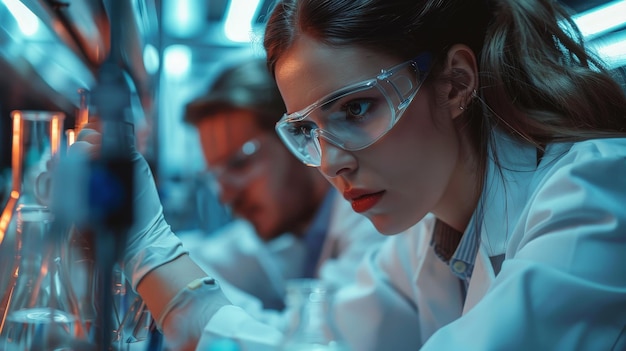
(131, 318)
(311, 327)
(41, 311)
(36, 141)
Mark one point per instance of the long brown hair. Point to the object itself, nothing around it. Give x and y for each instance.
(537, 80)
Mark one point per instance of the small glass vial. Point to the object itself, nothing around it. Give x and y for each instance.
(311, 328)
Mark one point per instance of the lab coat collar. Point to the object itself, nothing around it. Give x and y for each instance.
(510, 170)
(517, 160)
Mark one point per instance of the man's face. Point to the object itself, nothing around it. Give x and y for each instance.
(256, 175)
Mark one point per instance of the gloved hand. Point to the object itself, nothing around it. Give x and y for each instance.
(150, 242)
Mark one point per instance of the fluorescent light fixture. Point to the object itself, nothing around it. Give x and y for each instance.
(183, 17)
(26, 19)
(614, 54)
(151, 58)
(238, 24)
(611, 49)
(601, 19)
(177, 60)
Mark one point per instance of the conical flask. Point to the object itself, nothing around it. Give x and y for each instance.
(79, 263)
(42, 312)
(309, 301)
(35, 147)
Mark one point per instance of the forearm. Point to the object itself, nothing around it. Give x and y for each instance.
(182, 299)
(159, 286)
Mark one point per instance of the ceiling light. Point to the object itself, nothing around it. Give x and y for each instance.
(601, 19)
(26, 19)
(238, 24)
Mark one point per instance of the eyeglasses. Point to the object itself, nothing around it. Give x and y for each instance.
(237, 169)
(355, 116)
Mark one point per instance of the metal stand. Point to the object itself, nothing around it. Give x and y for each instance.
(112, 175)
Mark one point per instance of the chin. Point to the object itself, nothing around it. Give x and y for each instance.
(266, 234)
(387, 225)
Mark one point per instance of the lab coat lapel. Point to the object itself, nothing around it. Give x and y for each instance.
(439, 294)
(506, 196)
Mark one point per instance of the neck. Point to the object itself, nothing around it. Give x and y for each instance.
(463, 192)
(320, 187)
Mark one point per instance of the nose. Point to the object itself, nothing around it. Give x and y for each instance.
(227, 189)
(336, 161)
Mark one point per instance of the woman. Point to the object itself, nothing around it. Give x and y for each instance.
(483, 130)
(501, 126)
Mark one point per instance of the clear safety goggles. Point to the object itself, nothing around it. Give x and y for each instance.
(240, 167)
(355, 116)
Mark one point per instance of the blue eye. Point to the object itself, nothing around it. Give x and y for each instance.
(357, 109)
(302, 128)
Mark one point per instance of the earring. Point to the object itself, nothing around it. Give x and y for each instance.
(472, 97)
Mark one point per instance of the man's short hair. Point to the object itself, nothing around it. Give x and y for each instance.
(247, 86)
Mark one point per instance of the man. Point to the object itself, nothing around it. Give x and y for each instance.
(292, 223)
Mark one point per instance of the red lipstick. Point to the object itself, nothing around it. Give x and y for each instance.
(363, 200)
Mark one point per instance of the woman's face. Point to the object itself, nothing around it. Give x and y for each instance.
(401, 177)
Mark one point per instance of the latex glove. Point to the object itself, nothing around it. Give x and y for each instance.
(150, 242)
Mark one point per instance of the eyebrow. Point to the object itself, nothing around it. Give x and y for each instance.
(324, 103)
(242, 152)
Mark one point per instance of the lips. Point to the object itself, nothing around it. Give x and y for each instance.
(362, 201)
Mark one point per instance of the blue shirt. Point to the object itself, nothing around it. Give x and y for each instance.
(316, 234)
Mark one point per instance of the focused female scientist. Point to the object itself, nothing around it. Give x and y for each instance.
(484, 130)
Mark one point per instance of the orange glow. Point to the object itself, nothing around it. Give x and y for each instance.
(44, 268)
(55, 137)
(7, 213)
(5, 218)
(17, 149)
(83, 112)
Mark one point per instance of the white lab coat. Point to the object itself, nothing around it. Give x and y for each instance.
(562, 285)
(254, 274)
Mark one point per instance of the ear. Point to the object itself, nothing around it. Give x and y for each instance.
(462, 69)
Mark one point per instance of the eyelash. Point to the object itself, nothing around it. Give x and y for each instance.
(297, 128)
(360, 103)
(304, 127)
